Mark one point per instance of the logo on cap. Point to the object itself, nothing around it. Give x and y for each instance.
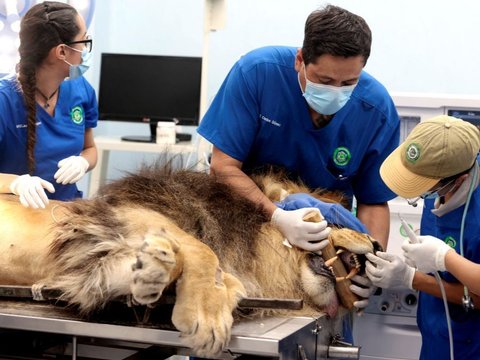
(341, 156)
(413, 153)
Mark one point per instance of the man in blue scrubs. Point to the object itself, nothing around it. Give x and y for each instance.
(439, 158)
(314, 112)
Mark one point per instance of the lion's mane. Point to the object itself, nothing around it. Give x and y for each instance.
(234, 228)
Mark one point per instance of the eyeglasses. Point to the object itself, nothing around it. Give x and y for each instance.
(88, 43)
(438, 189)
(432, 193)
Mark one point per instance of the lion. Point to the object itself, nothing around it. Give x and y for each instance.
(161, 229)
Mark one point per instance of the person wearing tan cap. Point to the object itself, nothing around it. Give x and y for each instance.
(438, 162)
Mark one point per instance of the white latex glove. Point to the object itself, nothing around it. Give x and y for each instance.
(428, 254)
(71, 169)
(390, 271)
(410, 262)
(363, 287)
(310, 236)
(31, 191)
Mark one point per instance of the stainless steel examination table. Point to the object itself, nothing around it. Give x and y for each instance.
(32, 330)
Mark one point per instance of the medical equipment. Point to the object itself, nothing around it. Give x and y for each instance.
(408, 230)
(391, 313)
(429, 194)
(388, 329)
(413, 240)
(467, 300)
(413, 202)
(113, 332)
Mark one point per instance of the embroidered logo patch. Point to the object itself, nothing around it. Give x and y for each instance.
(77, 115)
(413, 152)
(341, 156)
(450, 241)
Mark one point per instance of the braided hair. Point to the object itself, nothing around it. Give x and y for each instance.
(43, 27)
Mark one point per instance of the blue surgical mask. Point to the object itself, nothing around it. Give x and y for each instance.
(326, 99)
(435, 194)
(76, 71)
(429, 195)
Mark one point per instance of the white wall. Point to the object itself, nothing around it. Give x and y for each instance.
(418, 46)
(426, 46)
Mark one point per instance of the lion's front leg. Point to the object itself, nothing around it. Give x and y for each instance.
(205, 300)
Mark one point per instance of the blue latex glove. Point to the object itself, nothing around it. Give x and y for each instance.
(335, 214)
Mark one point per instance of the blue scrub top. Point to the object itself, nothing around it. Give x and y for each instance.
(431, 312)
(58, 137)
(260, 117)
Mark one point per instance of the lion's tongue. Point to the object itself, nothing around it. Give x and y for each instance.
(332, 307)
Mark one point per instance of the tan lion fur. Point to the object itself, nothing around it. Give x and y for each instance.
(157, 228)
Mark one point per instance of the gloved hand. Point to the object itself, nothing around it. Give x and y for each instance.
(410, 263)
(303, 234)
(31, 191)
(428, 255)
(390, 271)
(333, 213)
(363, 287)
(71, 169)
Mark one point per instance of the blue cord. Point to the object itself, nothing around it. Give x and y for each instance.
(464, 216)
(466, 297)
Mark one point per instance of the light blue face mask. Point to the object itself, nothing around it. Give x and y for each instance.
(325, 99)
(429, 195)
(435, 194)
(76, 71)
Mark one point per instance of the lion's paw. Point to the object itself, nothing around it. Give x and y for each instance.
(152, 270)
(204, 317)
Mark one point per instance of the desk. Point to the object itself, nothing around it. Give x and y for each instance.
(107, 144)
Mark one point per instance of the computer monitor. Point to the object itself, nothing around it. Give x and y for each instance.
(470, 115)
(148, 89)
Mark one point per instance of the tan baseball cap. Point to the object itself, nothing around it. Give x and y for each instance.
(435, 149)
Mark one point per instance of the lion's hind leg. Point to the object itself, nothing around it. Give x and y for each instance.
(92, 262)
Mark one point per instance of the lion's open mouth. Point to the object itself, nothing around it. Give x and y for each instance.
(347, 247)
(354, 264)
(317, 265)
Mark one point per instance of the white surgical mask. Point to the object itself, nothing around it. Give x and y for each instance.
(325, 99)
(76, 71)
(460, 196)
